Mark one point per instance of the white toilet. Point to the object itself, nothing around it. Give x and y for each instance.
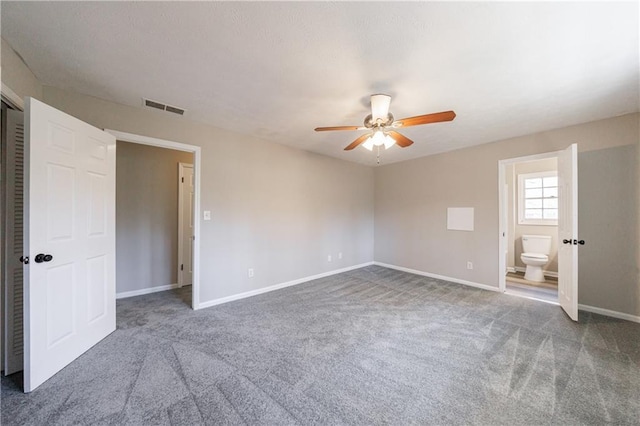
(535, 254)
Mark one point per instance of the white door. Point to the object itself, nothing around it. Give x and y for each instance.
(185, 224)
(568, 231)
(70, 216)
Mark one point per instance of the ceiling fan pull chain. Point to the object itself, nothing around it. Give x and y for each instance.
(378, 154)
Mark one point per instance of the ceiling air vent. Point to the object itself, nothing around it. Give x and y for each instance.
(158, 105)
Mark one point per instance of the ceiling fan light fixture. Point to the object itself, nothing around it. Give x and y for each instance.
(380, 107)
(378, 138)
(388, 141)
(368, 144)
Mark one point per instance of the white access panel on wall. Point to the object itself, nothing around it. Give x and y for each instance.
(460, 218)
(70, 239)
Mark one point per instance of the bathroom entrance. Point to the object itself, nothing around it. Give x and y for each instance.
(538, 228)
(531, 194)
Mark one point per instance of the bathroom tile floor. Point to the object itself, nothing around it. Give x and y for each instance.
(518, 286)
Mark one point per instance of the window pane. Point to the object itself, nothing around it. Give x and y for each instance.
(533, 214)
(550, 181)
(550, 192)
(551, 203)
(533, 183)
(551, 214)
(533, 204)
(533, 193)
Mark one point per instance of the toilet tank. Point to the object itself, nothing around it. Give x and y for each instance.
(540, 244)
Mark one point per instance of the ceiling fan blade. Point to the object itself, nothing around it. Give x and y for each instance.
(324, 129)
(425, 119)
(380, 107)
(357, 142)
(401, 140)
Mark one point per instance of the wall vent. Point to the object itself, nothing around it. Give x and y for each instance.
(164, 107)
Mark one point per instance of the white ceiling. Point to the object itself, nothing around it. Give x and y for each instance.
(278, 70)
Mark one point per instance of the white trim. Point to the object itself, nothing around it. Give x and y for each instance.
(502, 207)
(246, 294)
(12, 97)
(142, 291)
(523, 269)
(609, 313)
(197, 154)
(440, 277)
(511, 269)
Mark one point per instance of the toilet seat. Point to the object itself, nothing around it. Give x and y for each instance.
(536, 256)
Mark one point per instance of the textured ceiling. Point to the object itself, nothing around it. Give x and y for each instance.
(278, 70)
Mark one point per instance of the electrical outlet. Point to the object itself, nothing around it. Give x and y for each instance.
(340, 255)
(469, 265)
(250, 272)
(329, 258)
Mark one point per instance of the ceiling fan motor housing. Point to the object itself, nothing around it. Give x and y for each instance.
(369, 124)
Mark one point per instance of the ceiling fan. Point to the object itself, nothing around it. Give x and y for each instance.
(383, 125)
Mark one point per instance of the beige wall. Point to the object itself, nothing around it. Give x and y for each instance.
(147, 215)
(515, 230)
(274, 208)
(411, 199)
(16, 75)
(608, 222)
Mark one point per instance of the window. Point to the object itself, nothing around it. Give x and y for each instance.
(538, 198)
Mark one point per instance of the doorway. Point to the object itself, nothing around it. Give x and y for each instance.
(148, 216)
(546, 201)
(195, 153)
(531, 195)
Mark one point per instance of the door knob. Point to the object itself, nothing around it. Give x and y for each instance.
(566, 241)
(41, 257)
(581, 242)
(24, 260)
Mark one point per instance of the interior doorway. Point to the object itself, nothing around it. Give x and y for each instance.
(194, 160)
(561, 200)
(531, 216)
(150, 209)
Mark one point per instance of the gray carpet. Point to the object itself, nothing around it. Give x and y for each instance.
(371, 346)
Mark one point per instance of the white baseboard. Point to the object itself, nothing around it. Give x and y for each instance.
(440, 277)
(142, 291)
(609, 313)
(511, 269)
(546, 273)
(246, 294)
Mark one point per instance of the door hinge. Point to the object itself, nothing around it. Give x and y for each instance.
(182, 267)
(182, 180)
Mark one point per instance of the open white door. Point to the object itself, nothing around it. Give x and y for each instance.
(185, 224)
(568, 231)
(69, 239)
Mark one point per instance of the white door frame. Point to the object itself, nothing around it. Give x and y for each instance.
(162, 143)
(181, 167)
(503, 205)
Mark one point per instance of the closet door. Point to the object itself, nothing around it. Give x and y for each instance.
(13, 244)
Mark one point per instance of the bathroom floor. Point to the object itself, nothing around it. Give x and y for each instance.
(546, 291)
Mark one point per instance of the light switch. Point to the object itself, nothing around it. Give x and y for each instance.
(207, 215)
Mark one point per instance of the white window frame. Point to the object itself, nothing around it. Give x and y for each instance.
(521, 199)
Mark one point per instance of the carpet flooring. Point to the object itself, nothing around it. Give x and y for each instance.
(370, 346)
